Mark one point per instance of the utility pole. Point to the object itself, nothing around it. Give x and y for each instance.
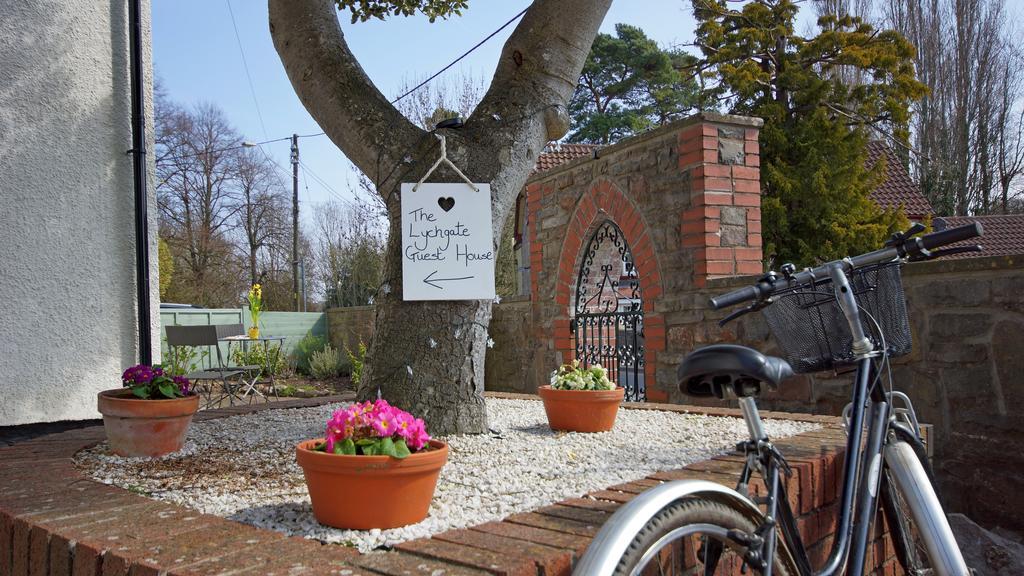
(295, 220)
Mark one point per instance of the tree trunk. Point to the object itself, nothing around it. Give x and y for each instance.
(252, 266)
(428, 357)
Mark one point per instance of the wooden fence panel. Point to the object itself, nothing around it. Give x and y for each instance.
(293, 326)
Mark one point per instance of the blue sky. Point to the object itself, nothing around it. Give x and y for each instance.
(197, 56)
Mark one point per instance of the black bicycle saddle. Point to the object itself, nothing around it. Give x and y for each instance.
(710, 370)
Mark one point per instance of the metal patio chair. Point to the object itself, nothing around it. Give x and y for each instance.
(218, 372)
(250, 372)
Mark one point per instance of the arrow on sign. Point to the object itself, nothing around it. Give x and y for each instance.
(428, 280)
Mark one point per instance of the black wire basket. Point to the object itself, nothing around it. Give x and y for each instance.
(813, 332)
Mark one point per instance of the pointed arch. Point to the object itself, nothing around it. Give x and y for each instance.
(603, 201)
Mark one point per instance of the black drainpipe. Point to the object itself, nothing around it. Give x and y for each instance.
(141, 194)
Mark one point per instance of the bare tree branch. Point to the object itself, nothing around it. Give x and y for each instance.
(540, 63)
(334, 88)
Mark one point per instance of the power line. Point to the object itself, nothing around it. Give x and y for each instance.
(464, 54)
(323, 183)
(320, 180)
(227, 149)
(241, 146)
(252, 87)
(259, 113)
(245, 65)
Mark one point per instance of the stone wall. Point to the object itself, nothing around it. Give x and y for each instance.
(506, 364)
(965, 374)
(347, 326)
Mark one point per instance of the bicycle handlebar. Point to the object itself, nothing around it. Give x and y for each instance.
(736, 297)
(902, 247)
(958, 234)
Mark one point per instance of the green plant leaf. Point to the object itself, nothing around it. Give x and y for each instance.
(372, 449)
(168, 390)
(365, 441)
(387, 447)
(401, 450)
(320, 447)
(347, 446)
(141, 391)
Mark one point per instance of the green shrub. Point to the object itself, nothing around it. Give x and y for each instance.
(357, 362)
(304, 350)
(256, 355)
(325, 363)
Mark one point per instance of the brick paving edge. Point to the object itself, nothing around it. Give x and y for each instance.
(64, 523)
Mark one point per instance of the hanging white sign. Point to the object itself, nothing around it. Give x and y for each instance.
(447, 244)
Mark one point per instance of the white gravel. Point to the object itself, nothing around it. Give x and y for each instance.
(243, 467)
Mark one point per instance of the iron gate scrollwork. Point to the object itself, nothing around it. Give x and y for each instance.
(608, 324)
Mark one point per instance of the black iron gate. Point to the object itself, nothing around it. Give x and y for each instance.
(608, 324)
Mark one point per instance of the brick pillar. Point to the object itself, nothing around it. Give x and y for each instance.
(536, 260)
(721, 229)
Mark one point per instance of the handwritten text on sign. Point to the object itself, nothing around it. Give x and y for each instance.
(447, 245)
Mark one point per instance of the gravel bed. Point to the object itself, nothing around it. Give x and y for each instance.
(243, 468)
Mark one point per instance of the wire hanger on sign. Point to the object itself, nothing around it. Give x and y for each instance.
(444, 158)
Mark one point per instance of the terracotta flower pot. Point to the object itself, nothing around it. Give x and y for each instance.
(364, 492)
(137, 427)
(581, 410)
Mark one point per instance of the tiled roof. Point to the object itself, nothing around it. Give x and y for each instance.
(555, 154)
(1002, 234)
(898, 189)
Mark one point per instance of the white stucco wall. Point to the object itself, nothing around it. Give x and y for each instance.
(67, 255)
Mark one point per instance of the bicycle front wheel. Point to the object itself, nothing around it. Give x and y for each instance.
(923, 548)
(690, 537)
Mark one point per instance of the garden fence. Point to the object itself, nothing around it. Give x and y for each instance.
(293, 326)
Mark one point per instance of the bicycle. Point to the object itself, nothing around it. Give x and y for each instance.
(815, 317)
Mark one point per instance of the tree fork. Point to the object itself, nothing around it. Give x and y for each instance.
(428, 357)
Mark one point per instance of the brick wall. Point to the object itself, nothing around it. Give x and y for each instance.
(686, 197)
(965, 374)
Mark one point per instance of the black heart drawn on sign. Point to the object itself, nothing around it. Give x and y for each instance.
(446, 204)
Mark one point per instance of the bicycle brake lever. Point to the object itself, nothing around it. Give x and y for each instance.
(932, 255)
(899, 238)
(753, 307)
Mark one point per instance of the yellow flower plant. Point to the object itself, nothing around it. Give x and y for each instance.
(255, 303)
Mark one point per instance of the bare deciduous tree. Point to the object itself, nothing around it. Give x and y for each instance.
(443, 98)
(261, 208)
(349, 252)
(221, 206)
(196, 169)
(967, 130)
(1009, 125)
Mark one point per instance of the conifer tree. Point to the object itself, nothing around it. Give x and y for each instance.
(817, 120)
(629, 85)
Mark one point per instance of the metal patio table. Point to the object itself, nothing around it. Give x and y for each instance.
(250, 386)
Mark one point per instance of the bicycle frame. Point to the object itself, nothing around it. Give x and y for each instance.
(862, 478)
(861, 468)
